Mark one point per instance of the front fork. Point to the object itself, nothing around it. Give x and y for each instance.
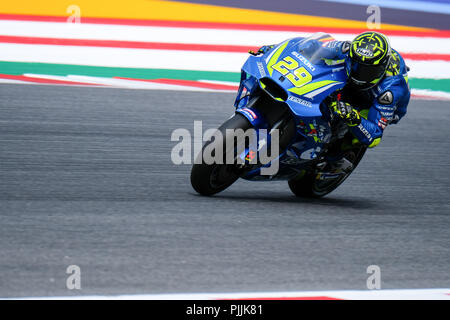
(268, 143)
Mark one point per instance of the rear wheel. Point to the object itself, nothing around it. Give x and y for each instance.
(209, 179)
(313, 185)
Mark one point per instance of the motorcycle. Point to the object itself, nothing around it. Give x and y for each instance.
(286, 90)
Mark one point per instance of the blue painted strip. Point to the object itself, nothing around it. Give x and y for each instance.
(414, 5)
(439, 1)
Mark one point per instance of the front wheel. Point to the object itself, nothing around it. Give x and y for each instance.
(209, 179)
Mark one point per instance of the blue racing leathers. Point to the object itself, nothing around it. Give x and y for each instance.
(380, 105)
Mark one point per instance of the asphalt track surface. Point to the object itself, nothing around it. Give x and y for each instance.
(86, 179)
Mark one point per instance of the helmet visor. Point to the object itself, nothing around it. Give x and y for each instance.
(363, 74)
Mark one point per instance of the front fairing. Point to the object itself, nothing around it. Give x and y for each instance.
(299, 67)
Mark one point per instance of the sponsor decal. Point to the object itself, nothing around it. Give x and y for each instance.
(364, 52)
(386, 98)
(387, 115)
(261, 69)
(250, 113)
(300, 101)
(382, 123)
(365, 132)
(304, 60)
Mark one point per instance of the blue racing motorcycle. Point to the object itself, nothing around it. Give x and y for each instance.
(288, 88)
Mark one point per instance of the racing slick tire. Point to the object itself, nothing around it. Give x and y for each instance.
(209, 179)
(309, 184)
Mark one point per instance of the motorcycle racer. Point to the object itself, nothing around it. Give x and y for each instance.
(377, 91)
(324, 101)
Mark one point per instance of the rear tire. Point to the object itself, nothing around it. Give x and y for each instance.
(307, 186)
(209, 179)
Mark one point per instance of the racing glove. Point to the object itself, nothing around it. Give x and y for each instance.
(346, 112)
(261, 50)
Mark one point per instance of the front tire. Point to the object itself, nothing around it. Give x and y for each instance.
(209, 179)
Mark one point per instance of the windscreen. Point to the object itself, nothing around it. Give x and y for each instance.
(312, 47)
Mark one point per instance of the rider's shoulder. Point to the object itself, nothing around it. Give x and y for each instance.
(390, 90)
(396, 78)
(397, 66)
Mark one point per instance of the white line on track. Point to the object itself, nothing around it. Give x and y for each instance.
(123, 57)
(391, 294)
(195, 35)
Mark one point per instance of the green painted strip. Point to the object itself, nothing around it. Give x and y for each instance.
(430, 84)
(19, 68)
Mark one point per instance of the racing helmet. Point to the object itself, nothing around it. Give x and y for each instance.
(368, 60)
